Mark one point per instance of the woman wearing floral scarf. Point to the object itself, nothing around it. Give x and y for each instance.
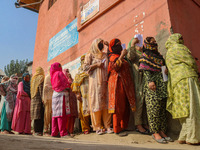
(155, 89)
(183, 89)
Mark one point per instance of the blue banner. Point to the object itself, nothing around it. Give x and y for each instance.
(62, 41)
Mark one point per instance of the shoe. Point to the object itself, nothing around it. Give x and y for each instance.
(147, 132)
(109, 131)
(168, 139)
(162, 141)
(86, 132)
(122, 133)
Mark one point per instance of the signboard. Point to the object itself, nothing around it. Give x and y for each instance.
(89, 10)
(73, 66)
(62, 41)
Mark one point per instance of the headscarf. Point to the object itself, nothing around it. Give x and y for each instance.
(47, 88)
(94, 49)
(181, 65)
(66, 73)
(26, 85)
(114, 51)
(80, 76)
(36, 80)
(174, 39)
(4, 79)
(58, 80)
(151, 59)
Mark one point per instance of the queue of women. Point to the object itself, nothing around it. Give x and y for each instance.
(107, 87)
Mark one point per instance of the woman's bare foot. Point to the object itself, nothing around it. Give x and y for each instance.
(163, 134)
(5, 132)
(157, 136)
(140, 128)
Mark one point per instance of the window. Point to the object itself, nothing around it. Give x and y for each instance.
(51, 2)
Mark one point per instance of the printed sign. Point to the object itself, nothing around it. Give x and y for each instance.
(73, 66)
(89, 10)
(62, 41)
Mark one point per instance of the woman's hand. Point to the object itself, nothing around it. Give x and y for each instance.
(152, 86)
(166, 71)
(78, 96)
(100, 64)
(135, 41)
(106, 43)
(123, 53)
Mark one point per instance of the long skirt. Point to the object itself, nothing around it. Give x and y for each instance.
(190, 131)
(122, 109)
(5, 124)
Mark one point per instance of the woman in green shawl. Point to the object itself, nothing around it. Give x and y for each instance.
(183, 89)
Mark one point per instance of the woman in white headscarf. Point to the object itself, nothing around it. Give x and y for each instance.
(96, 64)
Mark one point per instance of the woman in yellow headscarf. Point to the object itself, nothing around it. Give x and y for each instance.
(183, 89)
(37, 109)
(47, 100)
(80, 87)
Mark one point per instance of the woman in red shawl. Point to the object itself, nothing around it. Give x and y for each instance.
(72, 103)
(60, 100)
(120, 87)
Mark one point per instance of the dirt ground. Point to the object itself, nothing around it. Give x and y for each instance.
(91, 141)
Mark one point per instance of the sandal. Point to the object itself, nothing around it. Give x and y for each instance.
(192, 143)
(99, 132)
(145, 132)
(122, 133)
(5, 132)
(162, 140)
(182, 142)
(168, 139)
(109, 131)
(37, 134)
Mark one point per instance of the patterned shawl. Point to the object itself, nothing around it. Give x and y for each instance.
(80, 76)
(26, 85)
(180, 64)
(151, 59)
(58, 80)
(36, 80)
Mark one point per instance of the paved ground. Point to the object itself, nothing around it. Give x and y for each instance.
(133, 141)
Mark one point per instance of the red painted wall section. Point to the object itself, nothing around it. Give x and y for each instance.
(185, 19)
(123, 21)
(50, 22)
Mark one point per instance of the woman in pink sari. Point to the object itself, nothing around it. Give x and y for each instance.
(60, 100)
(21, 122)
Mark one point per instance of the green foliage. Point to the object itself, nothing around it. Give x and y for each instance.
(18, 67)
